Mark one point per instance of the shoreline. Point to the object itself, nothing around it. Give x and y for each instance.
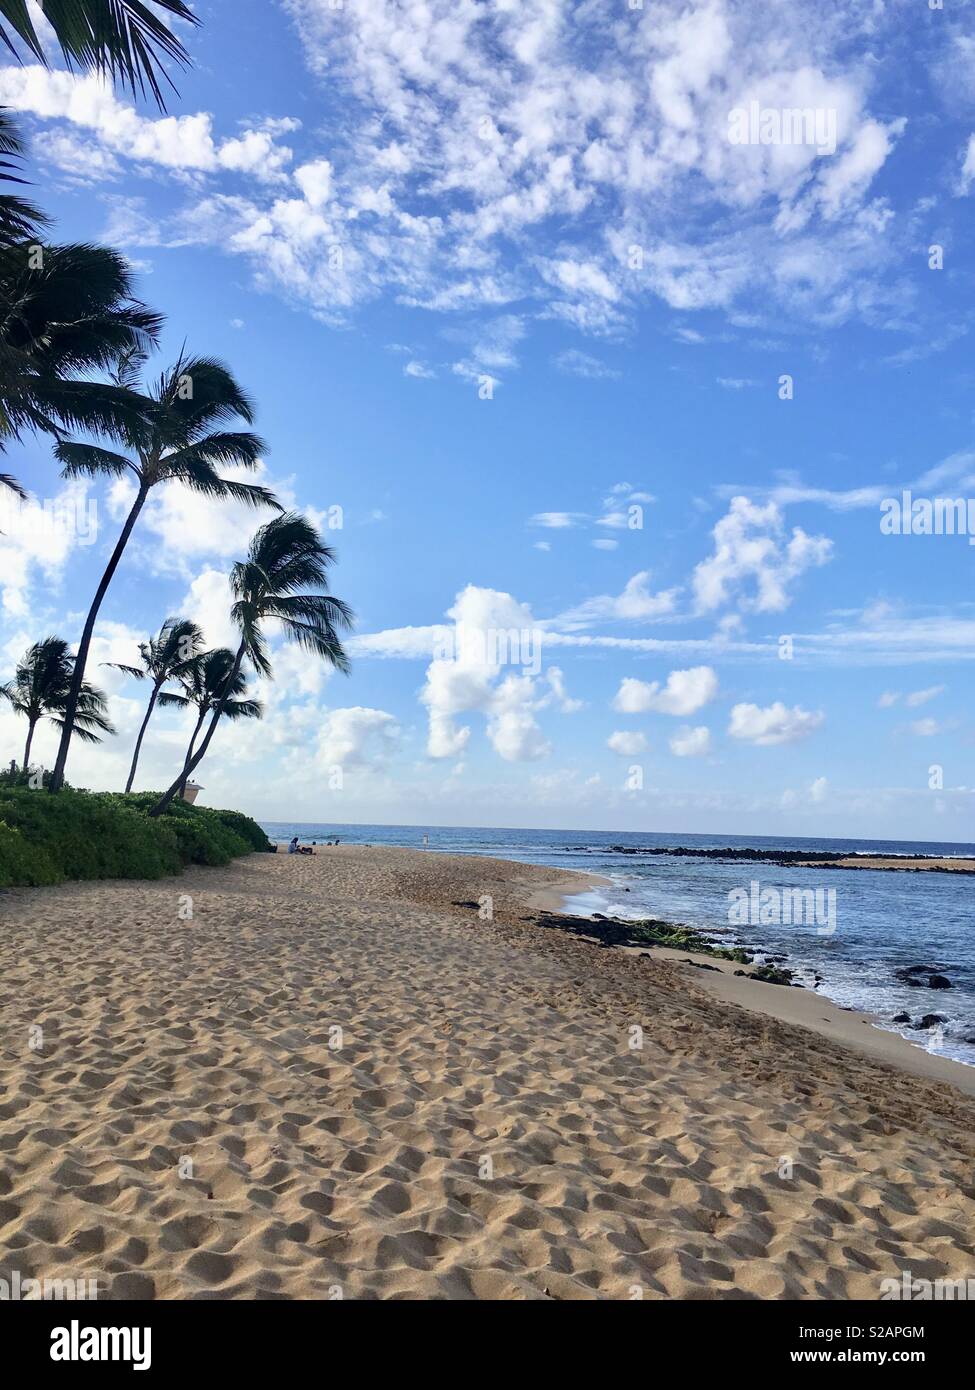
(375, 1069)
(805, 1007)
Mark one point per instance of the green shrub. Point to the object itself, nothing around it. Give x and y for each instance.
(247, 829)
(21, 862)
(86, 835)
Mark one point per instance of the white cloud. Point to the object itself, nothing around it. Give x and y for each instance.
(888, 699)
(925, 728)
(818, 789)
(635, 604)
(691, 742)
(468, 131)
(921, 697)
(491, 631)
(576, 363)
(773, 725)
(190, 526)
(38, 536)
(556, 681)
(182, 143)
(356, 736)
(315, 181)
(419, 370)
(684, 693)
(749, 545)
(556, 521)
(627, 744)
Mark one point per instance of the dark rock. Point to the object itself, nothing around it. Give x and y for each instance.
(769, 975)
(928, 1021)
(939, 982)
(902, 1017)
(906, 973)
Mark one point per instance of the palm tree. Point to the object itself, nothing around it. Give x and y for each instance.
(19, 219)
(206, 681)
(286, 561)
(165, 657)
(64, 314)
(179, 436)
(65, 311)
(39, 690)
(122, 38)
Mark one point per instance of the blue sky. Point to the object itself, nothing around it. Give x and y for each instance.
(511, 299)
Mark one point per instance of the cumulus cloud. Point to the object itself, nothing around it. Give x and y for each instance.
(189, 526)
(491, 631)
(627, 744)
(691, 742)
(635, 604)
(356, 736)
(774, 724)
(753, 560)
(684, 693)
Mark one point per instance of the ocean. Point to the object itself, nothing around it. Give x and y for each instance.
(876, 922)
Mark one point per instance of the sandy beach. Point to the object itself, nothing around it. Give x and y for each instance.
(340, 1078)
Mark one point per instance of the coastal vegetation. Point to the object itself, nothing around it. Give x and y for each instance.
(92, 835)
(75, 353)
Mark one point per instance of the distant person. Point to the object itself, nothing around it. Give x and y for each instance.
(293, 845)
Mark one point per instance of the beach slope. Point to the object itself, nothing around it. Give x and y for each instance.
(339, 1076)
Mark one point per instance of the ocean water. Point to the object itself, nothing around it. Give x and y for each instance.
(882, 921)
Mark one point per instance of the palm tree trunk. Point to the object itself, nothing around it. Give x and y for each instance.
(198, 756)
(189, 752)
(78, 674)
(30, 739)
(138, 742)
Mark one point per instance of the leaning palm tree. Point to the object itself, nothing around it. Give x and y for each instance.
(165, 657)
(39, 690)
(286, 563)
(121, 38)
(181, 436)
(206, 682)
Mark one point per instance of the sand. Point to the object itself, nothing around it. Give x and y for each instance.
(332, 1081)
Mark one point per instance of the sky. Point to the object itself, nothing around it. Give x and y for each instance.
(602, 367)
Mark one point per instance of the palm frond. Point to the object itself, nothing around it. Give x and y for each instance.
(11, 483)
(89, 460)
(122, 38)
(222, 448)
(136, 672)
